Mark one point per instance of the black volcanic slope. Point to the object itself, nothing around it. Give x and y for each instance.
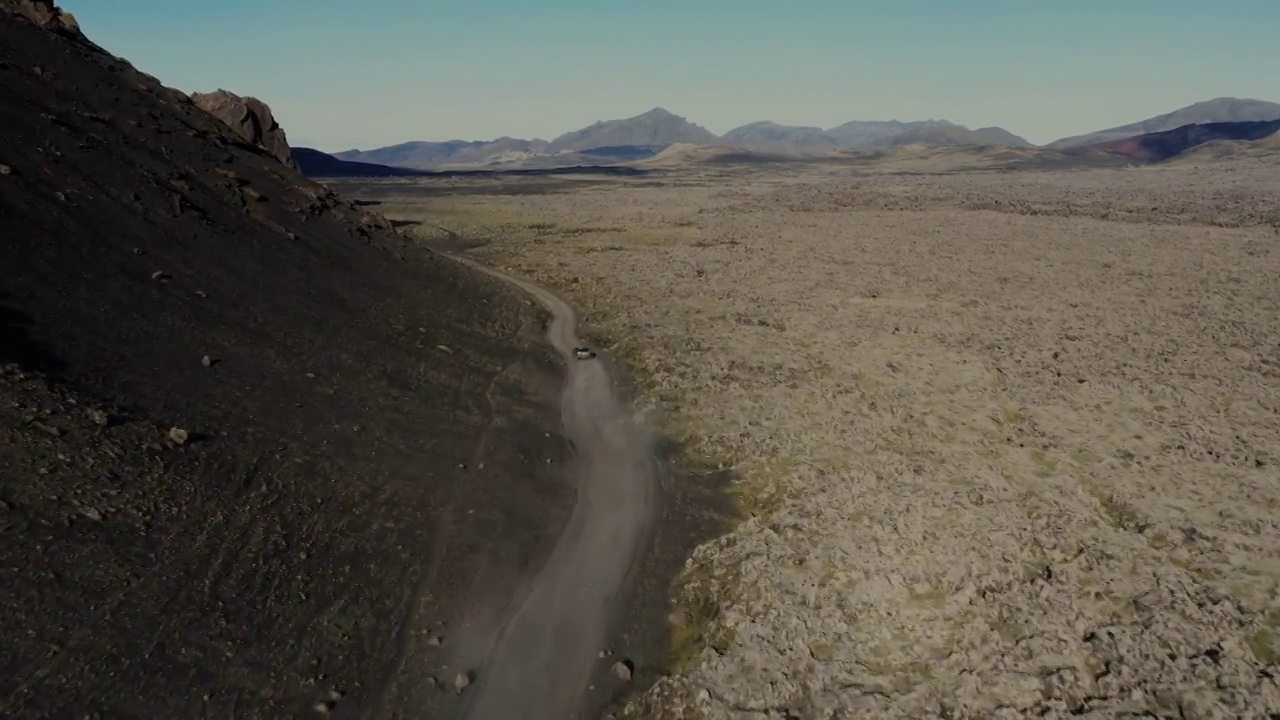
(252, 444)
(317, 164)
(1172, 143)
(1217, 110)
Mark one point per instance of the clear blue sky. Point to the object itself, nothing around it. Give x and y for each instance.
(343, 73)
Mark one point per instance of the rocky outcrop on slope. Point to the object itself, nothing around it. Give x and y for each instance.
(44, 14)
(250, 118)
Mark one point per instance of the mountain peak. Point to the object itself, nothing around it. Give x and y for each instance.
(657, 112)
(658, 128)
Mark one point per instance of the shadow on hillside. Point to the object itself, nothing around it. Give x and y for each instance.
(17, 345)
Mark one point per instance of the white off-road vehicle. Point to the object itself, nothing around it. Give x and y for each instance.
(582, 352)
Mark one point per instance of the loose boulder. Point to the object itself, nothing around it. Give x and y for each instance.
(250, 118)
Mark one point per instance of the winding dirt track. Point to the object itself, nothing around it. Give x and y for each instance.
(541, 659)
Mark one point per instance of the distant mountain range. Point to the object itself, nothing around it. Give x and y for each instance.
(648, 134)
(864, 134)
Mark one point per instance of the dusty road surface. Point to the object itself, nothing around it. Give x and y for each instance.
(539, 663)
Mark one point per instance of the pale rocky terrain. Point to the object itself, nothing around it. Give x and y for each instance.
(1007, 445)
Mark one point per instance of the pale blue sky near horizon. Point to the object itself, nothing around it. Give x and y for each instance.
(344, 74)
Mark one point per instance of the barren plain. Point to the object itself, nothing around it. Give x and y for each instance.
(1003, 444)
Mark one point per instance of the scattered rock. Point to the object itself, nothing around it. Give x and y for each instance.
(623, 669)
(161, 276)
(178, 435)
(208, 361)
(461, 682)
(444, 348)
(5, 169)
(91, 513)
(47, 429)
(435, 641)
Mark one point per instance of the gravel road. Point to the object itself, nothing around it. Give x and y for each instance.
(537, 663)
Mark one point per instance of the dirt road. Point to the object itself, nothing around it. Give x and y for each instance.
(539, 661)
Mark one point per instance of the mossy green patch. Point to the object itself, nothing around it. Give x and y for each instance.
(699, 612)
(932, 595)
(1046, 465)
(1263, 645)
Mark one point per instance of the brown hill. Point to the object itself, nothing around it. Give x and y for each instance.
(250, 118)
(1266, 149)
(681, 154)
(239, 469)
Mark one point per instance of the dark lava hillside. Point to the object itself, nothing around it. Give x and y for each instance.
(1158, 146)
(256, 450)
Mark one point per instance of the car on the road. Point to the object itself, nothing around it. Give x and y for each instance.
(582, 352)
